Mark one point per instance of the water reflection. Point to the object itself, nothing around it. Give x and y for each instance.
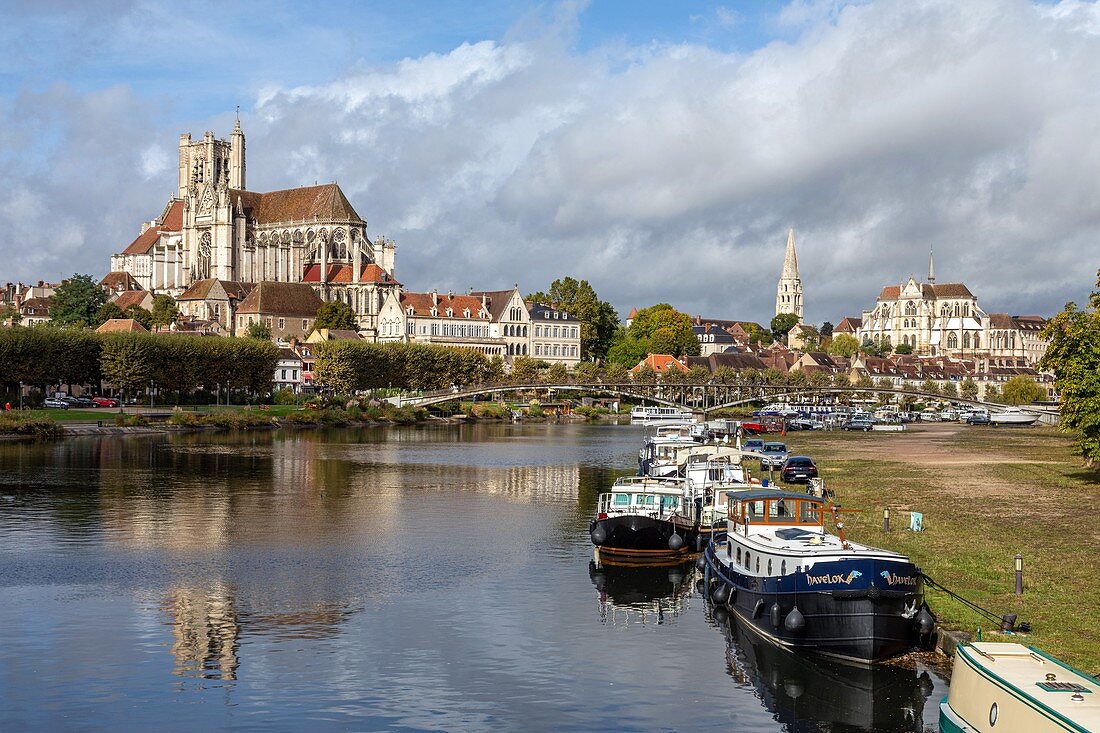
(641, 595)
(205, 632)
(809, 693)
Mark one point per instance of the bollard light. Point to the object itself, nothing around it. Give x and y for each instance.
(886, 519)
(1019, 574)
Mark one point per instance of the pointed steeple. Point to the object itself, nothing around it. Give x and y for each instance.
(931, 268)
(790, 259)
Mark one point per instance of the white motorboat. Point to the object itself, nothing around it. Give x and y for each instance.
(658, 415)
(1013, 416)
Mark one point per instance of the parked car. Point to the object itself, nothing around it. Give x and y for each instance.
(949, 416)
(858, 423)
(805, 424)
(774, 455)
(798, 469)
(82, 402)
(978, 418)
(752, 445)
(56, 403)
(105, 402)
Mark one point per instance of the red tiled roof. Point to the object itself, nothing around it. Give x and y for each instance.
(170, 221)
(890, 292)
(422, 304)
(117, 281)
(951, 290)
(660, 363)
(129, 298)
(848, 324)
(122, 325)
(281, 299)
(342, 273)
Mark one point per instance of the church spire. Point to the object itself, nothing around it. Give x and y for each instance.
(788, 294)
(931, 268)
(790, 259)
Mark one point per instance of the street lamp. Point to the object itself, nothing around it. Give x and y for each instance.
(20, 395)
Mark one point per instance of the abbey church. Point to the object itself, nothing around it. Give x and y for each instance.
(214, 228)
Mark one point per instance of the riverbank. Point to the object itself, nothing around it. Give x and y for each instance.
(986, 494)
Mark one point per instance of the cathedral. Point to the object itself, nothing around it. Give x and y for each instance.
(788, 295)
(213, 227)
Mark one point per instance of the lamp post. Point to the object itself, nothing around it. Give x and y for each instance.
(21, 395)
(1019, 574)
(886, 519)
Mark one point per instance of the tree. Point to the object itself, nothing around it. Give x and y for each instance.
(992, 393)
(668, 330)
(557, 373)
(336, 314)
(929, 386)
(949, 389)
(627, 350)
(645, 375)
(258, 330)
(844, 345)
(903, 349)
(106, 312)
(598, 318)
(782, 324)
(616, 373)
(526, 370)
(811, 338)
(586, 371)
(969, 388)
(76, 301)
(826, 330)
(10, 313)
(164, 311)
(139, 314)
(758, 336)
(1021, 390)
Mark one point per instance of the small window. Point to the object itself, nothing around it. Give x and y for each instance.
(783, 568)
(646, 500)
(809, 513)
(282, 323)
(622, 499)
(748, 560)
(305, 324)
(758, 565)
(769, 566)
(738, 555)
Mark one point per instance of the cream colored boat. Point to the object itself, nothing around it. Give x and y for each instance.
(1009, 688)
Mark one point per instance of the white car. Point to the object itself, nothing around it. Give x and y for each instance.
(56, 403)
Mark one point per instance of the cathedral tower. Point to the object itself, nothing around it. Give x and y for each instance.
(788, 296)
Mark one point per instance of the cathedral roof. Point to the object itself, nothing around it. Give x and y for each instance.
(325, 203)
(170, 221)
(342, 273)
(790, 259)
(282, 299)
(422, 304)
(939, 290)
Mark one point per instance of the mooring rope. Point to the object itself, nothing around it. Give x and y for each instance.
(968, 603)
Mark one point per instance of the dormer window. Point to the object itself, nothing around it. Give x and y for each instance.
(450, 312)
(466, 313)
(409, 311)
(434, 311)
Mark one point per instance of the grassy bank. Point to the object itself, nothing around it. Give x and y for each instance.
(986, 494)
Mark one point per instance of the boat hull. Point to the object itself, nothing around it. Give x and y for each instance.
(855, 614)
(635, 539)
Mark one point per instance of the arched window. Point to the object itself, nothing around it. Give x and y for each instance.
(910, 308)
(977, 341)
(952, 340)
(966, 340)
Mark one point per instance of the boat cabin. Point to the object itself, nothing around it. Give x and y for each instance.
(642, 495)
(773, 508)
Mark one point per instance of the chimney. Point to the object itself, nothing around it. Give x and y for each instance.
(435, 298)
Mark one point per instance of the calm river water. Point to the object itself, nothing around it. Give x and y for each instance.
(384, 579)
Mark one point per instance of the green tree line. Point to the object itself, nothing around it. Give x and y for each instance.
(47, 356)
(349, 366)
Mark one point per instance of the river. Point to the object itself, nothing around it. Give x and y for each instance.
(403, 579)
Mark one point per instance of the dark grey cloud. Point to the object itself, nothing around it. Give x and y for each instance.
(664, 172)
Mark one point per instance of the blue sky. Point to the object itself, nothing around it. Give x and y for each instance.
(659, 149)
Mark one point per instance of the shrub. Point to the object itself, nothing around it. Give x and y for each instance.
(39, 427)
(284, 397)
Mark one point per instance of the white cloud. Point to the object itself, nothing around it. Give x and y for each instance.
(671, 172)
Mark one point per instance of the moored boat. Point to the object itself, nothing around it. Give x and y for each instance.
(801, 587)
(1010, 688)
(658, 415)
(643, 520)
(1013, 416)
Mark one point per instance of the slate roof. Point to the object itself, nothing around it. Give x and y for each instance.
(200, 289)
(495, 300)
(325, 202)
(297, 300)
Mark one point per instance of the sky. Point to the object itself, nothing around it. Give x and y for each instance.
(660, 150)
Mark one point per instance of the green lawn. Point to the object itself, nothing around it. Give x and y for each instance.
(105, 413)
(986, 494)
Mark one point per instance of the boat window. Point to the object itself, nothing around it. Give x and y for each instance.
(748, 559)
(769, 566)
(777, 509)
(758, 565)
(783, 568)
(738, 555)
(755, 510)
(622, 499)
(810, 512)
(646, 500)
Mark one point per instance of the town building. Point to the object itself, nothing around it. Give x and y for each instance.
(446, 319)
(555, 335)
(34, 311)
(712, 339)
(121, 325)
(659, 363)
(114, 283)
(511, 320)
(214, 300)
(788, 293)
(287, 309)
(129, 298)
(213, 227)
(288, 370)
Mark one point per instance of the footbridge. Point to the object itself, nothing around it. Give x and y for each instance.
(699, 398)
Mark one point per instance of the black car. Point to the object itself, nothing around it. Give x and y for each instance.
(858, 423)
(798, 469)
